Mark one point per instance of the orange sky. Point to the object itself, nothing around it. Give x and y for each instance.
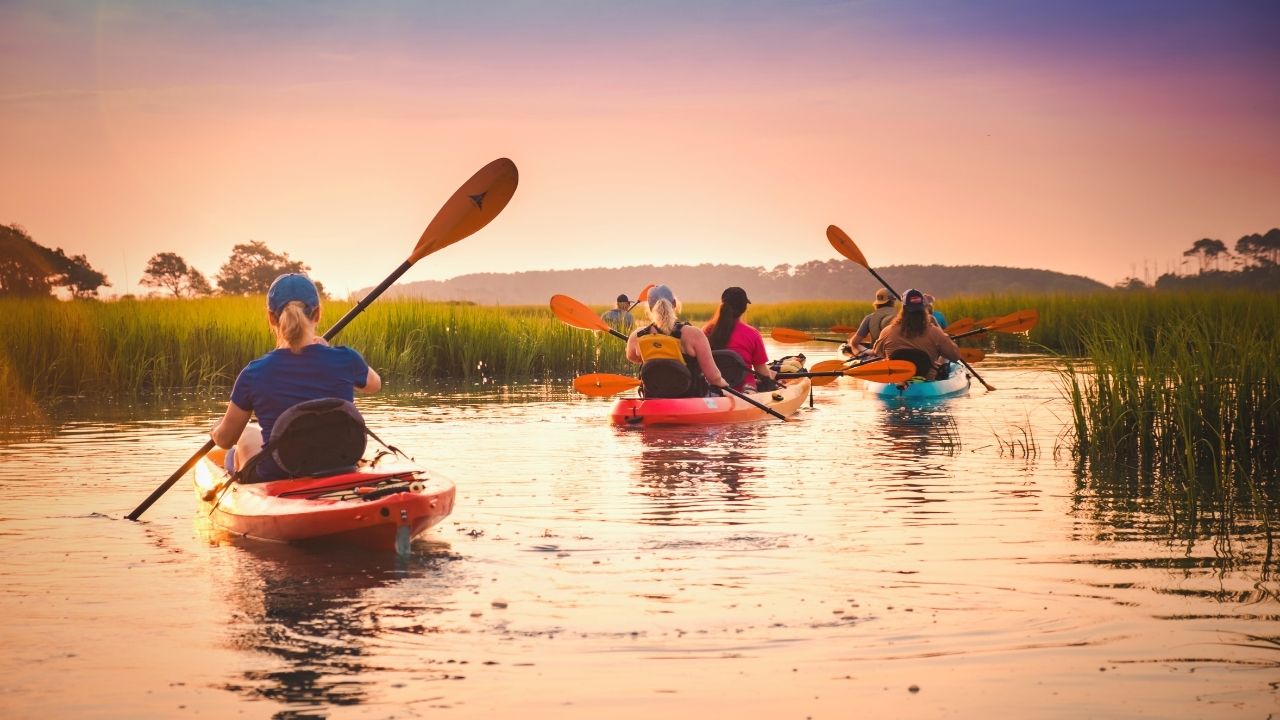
(1085, 139)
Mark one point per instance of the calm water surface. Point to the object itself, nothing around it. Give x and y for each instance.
(864, 560)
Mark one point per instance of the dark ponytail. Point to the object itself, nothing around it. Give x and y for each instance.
(721, 325)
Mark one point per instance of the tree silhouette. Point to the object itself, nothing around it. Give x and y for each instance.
(1261, 250)
(30, 269)
(168, 270)
(252, 268)
(1207, 250)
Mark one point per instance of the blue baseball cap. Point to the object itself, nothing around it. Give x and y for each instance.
(661, 292)
(289, 287)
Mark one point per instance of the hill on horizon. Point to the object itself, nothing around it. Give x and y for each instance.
(814, 280)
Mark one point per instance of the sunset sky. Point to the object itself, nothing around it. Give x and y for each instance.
(1095, 137)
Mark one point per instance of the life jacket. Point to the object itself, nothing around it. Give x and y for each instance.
(314, 438)
(788, 364)
(665, 371)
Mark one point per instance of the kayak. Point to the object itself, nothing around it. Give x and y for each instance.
(957, 383)
(709, 410)
(374, 510)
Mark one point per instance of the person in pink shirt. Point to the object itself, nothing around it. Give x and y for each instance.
(726, 331)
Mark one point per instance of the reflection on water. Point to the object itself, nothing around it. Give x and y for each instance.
(829, 562)
(685, 469)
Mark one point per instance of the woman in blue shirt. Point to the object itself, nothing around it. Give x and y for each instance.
(302, 367)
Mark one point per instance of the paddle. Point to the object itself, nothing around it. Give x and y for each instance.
(1014, 322)
(789, 336)
(644, 295)
(470, 208)
(972, 355)
(846, 247)
(888, 371)
(960, 326)
(606, 384)
(572, 312)
(846, 329)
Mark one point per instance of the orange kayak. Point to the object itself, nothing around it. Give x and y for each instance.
(381, 510)
(709, 410)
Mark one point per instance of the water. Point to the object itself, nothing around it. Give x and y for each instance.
(863, 560)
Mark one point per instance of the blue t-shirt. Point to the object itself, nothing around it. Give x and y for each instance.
(280, 379)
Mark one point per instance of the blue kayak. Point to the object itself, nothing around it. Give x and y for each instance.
(955, 384)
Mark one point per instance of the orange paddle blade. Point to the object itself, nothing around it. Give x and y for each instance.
(986, 322)
(828, 366)
(644, 294)
(787, 335)
(886, 371)
(1020, 321)
(846, 329)
(972, 355)
(818, 380)
(571, 312)
(845, 245)
(471, 207)
(959, 326)
(604, 384)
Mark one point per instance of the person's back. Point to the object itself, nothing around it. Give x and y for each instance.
(727, 331)
(874, 322)
(302, 367)
(912, 331)
(619, 317)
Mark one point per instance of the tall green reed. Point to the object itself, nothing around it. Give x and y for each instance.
(50, 348)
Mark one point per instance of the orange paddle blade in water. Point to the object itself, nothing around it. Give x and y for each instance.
(604, 384)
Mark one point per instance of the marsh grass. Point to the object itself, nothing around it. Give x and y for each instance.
(1181, 400)
(58, 349)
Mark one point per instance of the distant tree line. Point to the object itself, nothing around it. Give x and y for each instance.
(1255, 264)
(28, 269)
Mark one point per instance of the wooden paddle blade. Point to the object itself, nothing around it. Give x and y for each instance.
(1020, 321)
(961, 325)
(574, 313)
(886, 371)
(471, 207)
(604, 384)
(846, 329)
(972, 355)
(844, 245)
(787, 335)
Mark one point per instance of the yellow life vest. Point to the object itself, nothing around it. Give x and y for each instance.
(655, 346)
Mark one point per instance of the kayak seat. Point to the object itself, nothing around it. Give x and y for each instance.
(314, 438)
(665, 378)
(920, 358)
(732, 367)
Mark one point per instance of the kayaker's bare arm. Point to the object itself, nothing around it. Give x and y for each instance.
(227, 431)
(633, 348)
(372, 383)
(695, 342)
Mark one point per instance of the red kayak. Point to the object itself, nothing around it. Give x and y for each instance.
(381, 510)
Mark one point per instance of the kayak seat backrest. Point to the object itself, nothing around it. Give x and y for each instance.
(732, 367)
(318, 437)
(665, 378)
(923, 363)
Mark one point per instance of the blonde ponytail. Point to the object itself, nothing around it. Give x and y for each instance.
(294, 326)
(664, 315)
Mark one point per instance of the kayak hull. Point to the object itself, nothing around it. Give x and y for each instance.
(373, 510)
(955, 385)
(641, 412)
